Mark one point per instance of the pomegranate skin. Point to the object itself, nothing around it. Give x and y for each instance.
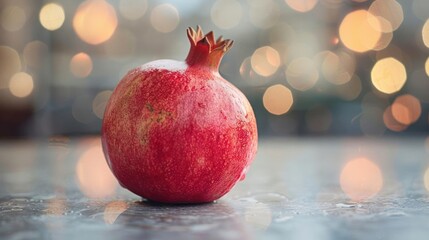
(174, 132)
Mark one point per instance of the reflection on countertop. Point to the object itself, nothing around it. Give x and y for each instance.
(299, 188)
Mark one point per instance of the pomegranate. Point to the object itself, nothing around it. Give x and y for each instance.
(177, 132)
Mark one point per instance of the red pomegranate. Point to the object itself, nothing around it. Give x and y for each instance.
(177, 132)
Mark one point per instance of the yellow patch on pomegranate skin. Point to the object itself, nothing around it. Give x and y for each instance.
(151, 117)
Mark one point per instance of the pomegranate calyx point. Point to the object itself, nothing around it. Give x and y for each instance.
(205, 50)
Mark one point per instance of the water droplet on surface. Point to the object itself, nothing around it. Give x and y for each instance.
(282, 219)
(394, 214)
(346, 205)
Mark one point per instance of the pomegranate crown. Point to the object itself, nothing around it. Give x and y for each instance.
(205, 50)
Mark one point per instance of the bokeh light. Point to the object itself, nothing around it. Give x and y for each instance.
(427, 66)
(361, 179)
(95, 21)
(113, 210)
(13, 18)
(357, 33)
(389, 13)
(336, 68)
(94, 176)
(250, 76)
(265, 61)
(425, 33)
(391, 123)
(302, 74)
(132, 9)
(384, 41)
(52, 16)
(99, 103)
(81, 65)
(21, 84)
(426, 179)
(164, 18)
(301, 5)
(277, 99)
(406, 109)
(388, 75)
(226, 14)
(263, 14)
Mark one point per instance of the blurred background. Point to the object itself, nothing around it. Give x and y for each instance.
(308, 67)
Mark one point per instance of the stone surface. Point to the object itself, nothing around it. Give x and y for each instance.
(61, 189)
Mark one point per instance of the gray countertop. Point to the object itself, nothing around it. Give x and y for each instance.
(298, 188)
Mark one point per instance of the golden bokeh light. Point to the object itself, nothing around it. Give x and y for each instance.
(249, 75)
(425, 33)
(13, 18)
(389, 14)
(263, 14)
(113, 210)
(391, 123)
(99, 103)
(132, 9)
(426, 179)
(357, 33)
(277, 99)
(93, 175)
(21, 85)
(52, 16)
(265, 61)
(164, 18)
(427, 66)
(95, 21)
(361, 179)
(301, 5)
(406, 109)
(338, 68)
(388, 75)
(226, 14)
(81, 65)
(384, 41)
(245, 68)
(302, 74)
